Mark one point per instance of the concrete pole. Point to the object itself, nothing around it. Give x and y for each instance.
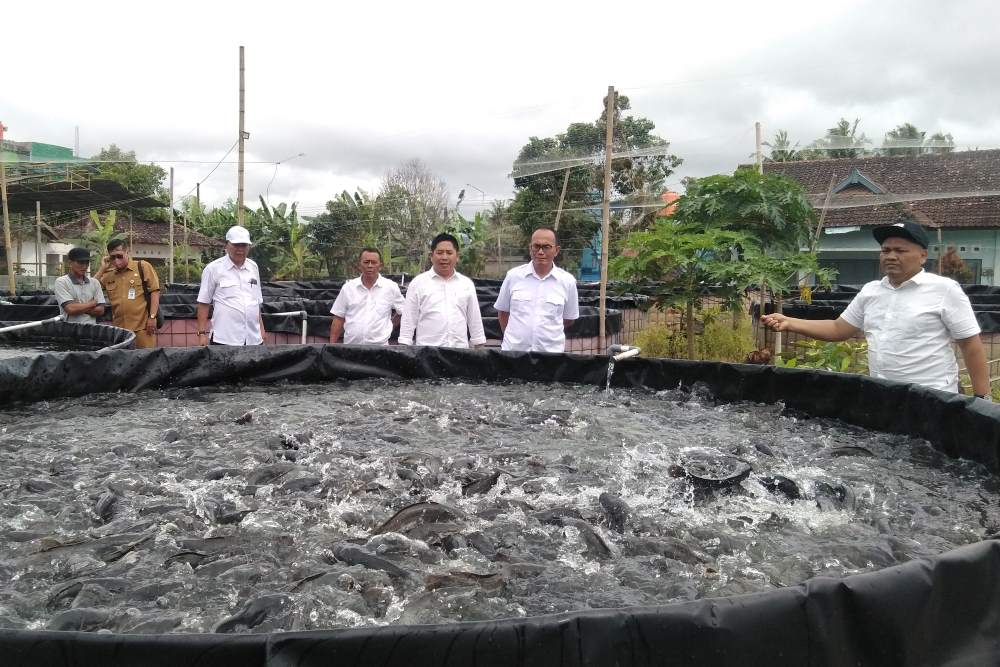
(8, 244)
(758, 159)
(38, 244)
(239, 187)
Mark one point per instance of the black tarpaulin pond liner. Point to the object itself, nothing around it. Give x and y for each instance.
(940, 610)
(64, 335)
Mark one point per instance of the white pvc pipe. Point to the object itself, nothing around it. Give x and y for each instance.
(305, 321)
(29, 325)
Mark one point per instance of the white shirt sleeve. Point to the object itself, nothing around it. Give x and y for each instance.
(477, 336)
(957, 313)
(206, 293)
(503, 299)
(339, 307)
(398, 303)
(408, 323)
(572, 309)
(854, 314)
(62, 291)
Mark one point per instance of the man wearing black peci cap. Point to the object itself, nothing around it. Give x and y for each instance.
(80, 298)
(910, 318)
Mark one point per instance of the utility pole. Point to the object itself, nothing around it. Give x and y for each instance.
(606, 213)
(758, 156)
(562, 198)
(170, 258)
(239, 187)
(76, 142)
(8, 244)
(38, 244)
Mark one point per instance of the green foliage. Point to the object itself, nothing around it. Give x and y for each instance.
(537, 197)
(718, 340)
(845, 356)
(471, 234)
(189, 272)
(841, 141)
(905, 133)
(97, 239)
(772, 208)
(782, 149)
(142, 179)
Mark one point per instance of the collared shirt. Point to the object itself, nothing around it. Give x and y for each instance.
(367, 313)
(127, 298)
(443, 312)
(234, 293)
(910, 328)
(67, 289)
(537, 306)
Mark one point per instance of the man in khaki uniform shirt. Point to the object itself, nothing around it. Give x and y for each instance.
(120, 276)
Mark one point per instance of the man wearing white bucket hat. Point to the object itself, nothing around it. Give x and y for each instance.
(231, 286)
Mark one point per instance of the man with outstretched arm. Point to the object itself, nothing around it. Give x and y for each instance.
(910, 318)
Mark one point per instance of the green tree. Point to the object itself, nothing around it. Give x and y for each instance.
(411, 207)
(771, 208)
(142, 179)
(940, 143)
(96, 240)
(296, 260)
(782, 149)
(471, 234)
(905, 139)
(349, 223)
(841, 141)
(538, 194)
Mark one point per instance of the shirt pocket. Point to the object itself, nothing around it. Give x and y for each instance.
(554, 306)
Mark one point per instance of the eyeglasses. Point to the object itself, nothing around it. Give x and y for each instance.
(544, 248)
(117, 256)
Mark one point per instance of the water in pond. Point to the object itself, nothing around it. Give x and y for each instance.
(295, 507)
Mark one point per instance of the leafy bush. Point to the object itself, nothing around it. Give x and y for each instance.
(846, 356)
(717, 341)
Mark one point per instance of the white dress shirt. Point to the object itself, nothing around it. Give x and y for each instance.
(910, 328)
(537, 306)
(443, 312)
(234, 293)
(367, 313)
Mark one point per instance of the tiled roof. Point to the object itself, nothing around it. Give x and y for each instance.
(951, 190)
(148, 232)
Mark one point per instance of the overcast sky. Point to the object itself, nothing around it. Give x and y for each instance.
(361, 87)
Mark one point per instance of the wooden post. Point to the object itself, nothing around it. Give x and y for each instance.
(239, 186)
(814, 246)
(170, 233)
(758, 156)
(38, 244)
(606, 214)
(562, 198)
(8, 245)
(940, 261)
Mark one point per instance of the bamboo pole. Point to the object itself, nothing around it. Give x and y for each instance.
(606, 215)
(11, 283)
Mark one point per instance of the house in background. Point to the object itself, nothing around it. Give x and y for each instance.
(956, 196)
(148, 239)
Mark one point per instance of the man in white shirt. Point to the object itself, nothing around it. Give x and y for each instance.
(538, 300)
(363, 310)
(910, 318)
(79, 297)
(231, 286)
(441, 306)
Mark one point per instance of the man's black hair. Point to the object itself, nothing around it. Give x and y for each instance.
(444, 236)
(370, 249)
(113, 244)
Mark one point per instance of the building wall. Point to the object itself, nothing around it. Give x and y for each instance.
(979, 245)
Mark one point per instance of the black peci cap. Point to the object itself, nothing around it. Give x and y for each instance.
(904, 228)
(79, 255)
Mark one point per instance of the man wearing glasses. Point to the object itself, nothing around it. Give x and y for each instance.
(538, 300)
(128, 282)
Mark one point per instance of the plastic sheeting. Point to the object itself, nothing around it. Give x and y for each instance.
(942, 610)
(65, 335)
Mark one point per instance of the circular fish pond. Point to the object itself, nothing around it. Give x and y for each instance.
(377, 502)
